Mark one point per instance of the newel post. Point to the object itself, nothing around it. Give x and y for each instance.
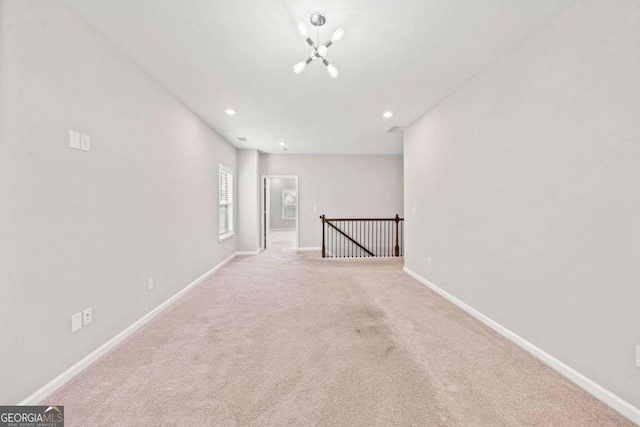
(323, 247)
(397, 248)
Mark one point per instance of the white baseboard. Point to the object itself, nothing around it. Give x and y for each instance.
(309, 249)
(248, 253)
(617, 403)
(67, 375)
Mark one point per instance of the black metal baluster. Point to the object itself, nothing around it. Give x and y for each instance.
(386, 237)
(384, 240)
(386, 243)
(331, 243)
(361, 239)
(389, 244)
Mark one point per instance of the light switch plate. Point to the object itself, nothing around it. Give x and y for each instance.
(76, 321)
(87, 316)
(149, 283)
(74, 140)
(85, 143)
(413, 210)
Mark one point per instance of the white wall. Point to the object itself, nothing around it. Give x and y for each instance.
(275, 215)
(82, 229)
(526, 184)
(248, 180)
(339, 186)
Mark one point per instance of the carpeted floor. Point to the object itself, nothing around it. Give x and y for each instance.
(290, 339)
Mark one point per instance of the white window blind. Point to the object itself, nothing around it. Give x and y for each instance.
(225, 205)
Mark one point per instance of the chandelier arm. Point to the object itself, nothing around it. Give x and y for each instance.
(333, 71)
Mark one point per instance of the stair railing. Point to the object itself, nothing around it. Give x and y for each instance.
(362, 237)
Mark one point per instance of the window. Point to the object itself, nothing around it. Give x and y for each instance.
(289, 204)
(225, 203)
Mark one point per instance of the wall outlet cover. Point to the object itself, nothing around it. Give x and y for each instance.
(74, 140)
(76, 321)
(87, 316)
(638, 356)
(149, 283)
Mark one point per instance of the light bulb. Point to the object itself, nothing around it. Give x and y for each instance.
(303, 29)
(299, 67)
(230, 111)
(322, 50)
(387, 114)
(337, 35)
(281, 143)
(333, 71)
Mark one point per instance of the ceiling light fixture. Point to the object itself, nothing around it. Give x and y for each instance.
(319, 50)
(387, 114)
(230, 111)
(281, 143)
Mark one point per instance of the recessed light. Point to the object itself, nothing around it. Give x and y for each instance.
(281, 143)
(387, 114)
(230, 111)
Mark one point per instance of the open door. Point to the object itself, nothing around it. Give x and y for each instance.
(279, 219)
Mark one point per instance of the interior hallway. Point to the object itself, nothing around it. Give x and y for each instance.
(281, 240)
(287, 338)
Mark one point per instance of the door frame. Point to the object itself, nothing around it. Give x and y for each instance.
(263, 207)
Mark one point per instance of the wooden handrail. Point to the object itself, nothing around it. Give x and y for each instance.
(364, 219)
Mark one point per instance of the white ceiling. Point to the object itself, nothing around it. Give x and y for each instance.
(402, 55)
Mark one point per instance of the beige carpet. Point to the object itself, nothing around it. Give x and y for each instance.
(287, 339)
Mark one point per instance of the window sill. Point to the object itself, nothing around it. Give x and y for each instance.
(226, 236)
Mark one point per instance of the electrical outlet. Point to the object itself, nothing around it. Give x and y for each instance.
(638, 356)
(87, 316)
(85, 143)
(413, 210)
(76, 321)
(74, 140)
(149, 283)
(429, 262)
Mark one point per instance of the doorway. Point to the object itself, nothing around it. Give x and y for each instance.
(280, 222)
